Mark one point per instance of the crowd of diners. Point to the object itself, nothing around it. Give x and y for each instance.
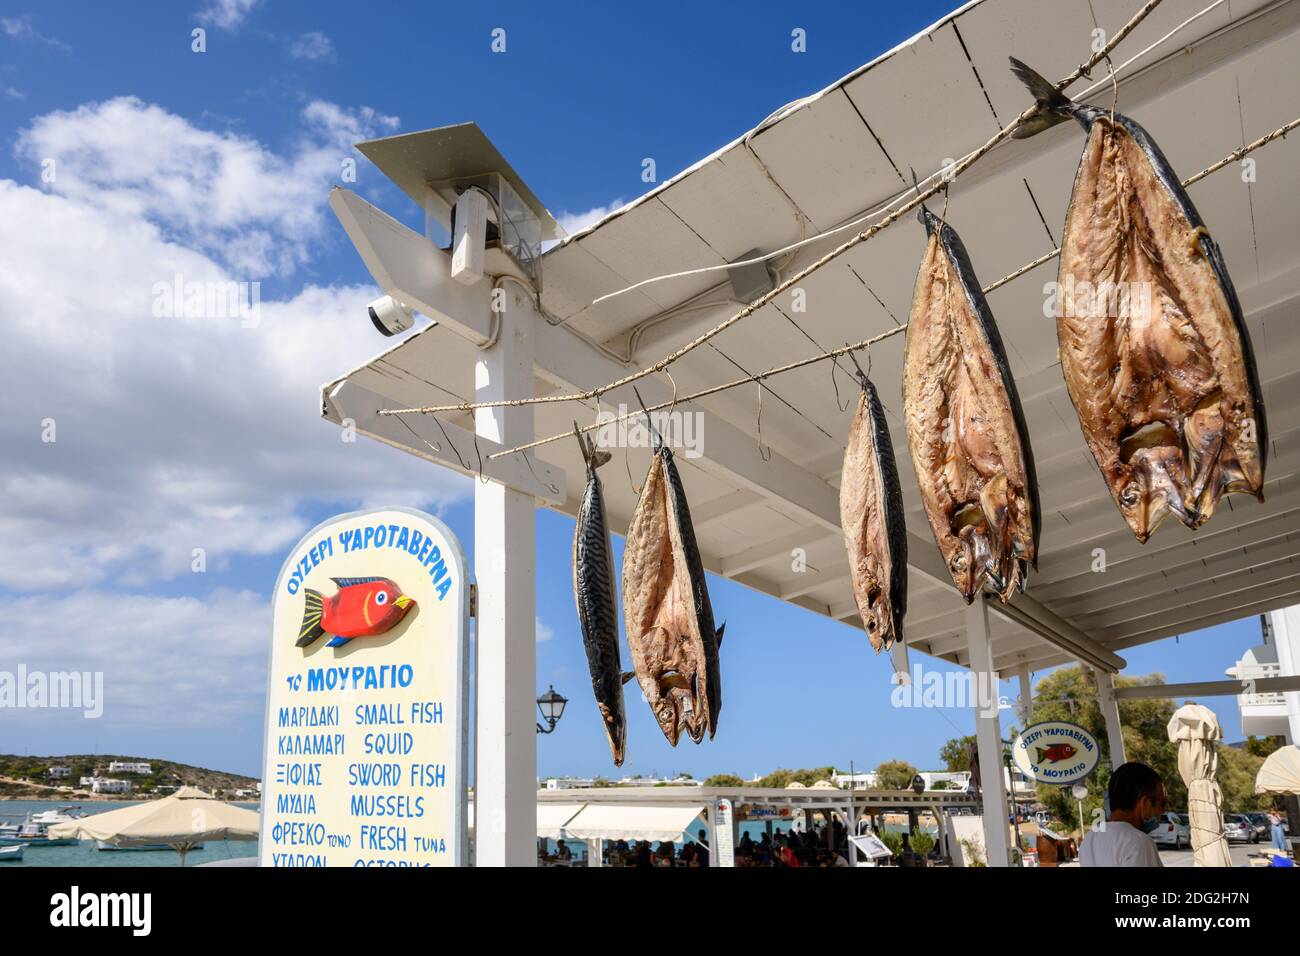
(778, 849)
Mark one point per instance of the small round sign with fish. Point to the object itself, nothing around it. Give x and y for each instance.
(1056, 751)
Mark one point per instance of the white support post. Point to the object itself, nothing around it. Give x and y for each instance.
(504, 565)
(988, 734)
(595, 852)
(1026, 694)
(1110, 713)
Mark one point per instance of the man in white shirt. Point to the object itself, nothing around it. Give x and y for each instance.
(1137, 795)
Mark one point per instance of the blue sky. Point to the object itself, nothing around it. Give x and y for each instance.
(177, 434)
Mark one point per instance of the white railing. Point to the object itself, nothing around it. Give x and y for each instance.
(1252, 672)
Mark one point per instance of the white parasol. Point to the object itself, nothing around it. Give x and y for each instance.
(1195, 729)
(185, 819)
(1280, 772)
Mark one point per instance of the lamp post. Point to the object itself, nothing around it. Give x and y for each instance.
(551, 706)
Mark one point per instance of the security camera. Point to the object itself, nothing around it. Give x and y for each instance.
(390, 316)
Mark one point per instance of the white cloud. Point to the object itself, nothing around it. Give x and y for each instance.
(22, 28)
(574, 222)
(226, 15)
(225, 195)
(544, 631)
(195, 661)
(312, 45)
(14, 94)
(171, 433)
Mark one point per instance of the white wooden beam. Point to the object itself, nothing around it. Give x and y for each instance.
(410, 268)
(1213, 688)
(348, 404)
(1110, 713)
(988, 735)
(505, 532)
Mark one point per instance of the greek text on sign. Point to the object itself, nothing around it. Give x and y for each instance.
(365, 733)
(1056, 752)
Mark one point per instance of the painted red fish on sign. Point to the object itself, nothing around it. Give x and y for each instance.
(362, 607)
(1054, 753)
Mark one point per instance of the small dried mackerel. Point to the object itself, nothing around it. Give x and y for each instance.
(871, 516)
(593, 592)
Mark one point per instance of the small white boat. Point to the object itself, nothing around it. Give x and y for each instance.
(12, 854)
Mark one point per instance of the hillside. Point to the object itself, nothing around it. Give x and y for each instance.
(25, 778)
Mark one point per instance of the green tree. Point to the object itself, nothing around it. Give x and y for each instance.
(1263, 746)
(1071, 694)
(955, 754)
(724, 780)
(1236, 776)
(894, 775)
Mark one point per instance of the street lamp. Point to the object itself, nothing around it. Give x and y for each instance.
(551, 705)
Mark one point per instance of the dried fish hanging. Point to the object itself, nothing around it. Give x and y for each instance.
(871, 516)
(666, 607)
(597, 602)
(965, 427)
(1153, 344)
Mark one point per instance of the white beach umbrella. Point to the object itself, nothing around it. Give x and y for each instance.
(183, 820)
(1280, 772)
(1195, 729)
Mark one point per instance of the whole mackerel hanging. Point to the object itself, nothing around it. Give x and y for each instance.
(666, 608)
(1155, 350)
(593, 592)
(965, 427)
(871, 515)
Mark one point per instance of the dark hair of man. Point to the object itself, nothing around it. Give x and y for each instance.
(1130, 783)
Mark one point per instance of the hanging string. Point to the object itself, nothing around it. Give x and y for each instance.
(865, 236)
(1236, 156)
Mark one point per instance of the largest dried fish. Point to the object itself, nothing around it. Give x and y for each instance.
(593, 591)
(871, 515)
(1153, 344)
(666, 608)
(965, 426)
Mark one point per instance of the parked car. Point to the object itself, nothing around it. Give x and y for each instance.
(1174, 830)
(1265, 828)
(1259, 823)
(1238, 828)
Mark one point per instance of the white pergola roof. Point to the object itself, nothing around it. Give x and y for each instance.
(1225, 80)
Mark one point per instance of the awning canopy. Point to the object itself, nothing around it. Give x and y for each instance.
(1280, 772)
(551, 819)
(631, 822)
(763, 487)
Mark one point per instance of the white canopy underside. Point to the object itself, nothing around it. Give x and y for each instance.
(1226, 79)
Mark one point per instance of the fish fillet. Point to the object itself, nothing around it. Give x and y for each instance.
(666, 609)
(1153, 344)
(965, 427)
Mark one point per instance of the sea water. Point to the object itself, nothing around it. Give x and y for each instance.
(85, 854)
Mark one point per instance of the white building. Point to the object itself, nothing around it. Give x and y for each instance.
(107, 785)
(87, 781)
(59, 773)
(126, 766)
(1271, 714)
